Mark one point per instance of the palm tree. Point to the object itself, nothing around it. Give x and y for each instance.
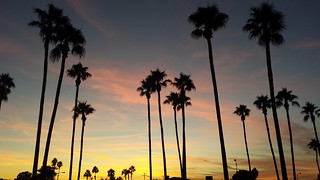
(82, 109)
(266, 24)
(208, 20)
(59, 165)
(146, 89)
(183, 84)
(158, 80)
(6, 83)
(68, 36)
(48, 22)
(173, 99)
(79, 73)
(310, 110)
(95, 170)
(243, 111)
(314, 144)
(263, 103)
(111, 174)
(125, 172)
(132, 169)
(283, 98)
(87, 174)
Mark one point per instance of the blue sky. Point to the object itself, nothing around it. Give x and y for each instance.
(126, 40)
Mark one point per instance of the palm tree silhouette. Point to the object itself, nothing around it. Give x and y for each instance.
(309, 111)
(95, 170)
(132, 169)
(87, 174)
(158, 80)
(59, 165)
(183, 84)
(79, 73)
(266, 24)
(173, 99)
(68, 36)
(6, 83)
(111, 174)
(48, 22)
(263, 103)
(125, 172)
(282, 99)
(146, 89)
(243, 111)
(314, 144)
(208, 20)
(82, 109)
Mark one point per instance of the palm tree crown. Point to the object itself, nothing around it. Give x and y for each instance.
(79, 72)
(83, 109)
(284, 97)
(242, 111)
(263, 103)
(6, 83)
(266, 24)
(146, 87)
(310, 110)
(207, 20)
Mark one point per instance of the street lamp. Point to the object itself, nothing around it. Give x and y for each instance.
(298, 175)
(235, 160)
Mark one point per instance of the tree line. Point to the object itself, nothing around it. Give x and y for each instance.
(265, 24)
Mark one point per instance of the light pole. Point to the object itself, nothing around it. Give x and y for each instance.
(298, 175)
(235, 161)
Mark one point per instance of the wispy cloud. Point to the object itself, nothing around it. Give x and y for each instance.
(311, 44)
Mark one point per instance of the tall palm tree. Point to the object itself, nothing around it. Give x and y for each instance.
(183, 84)
(146, 89)
(208, 20)
(59, 165)
(48, 22)
(263, 103)
(6, 83)
(132, 169)
(87, 174)
(95, 170)
(314, 144)
(243, 111)
(79, 73)
(283, 98)
(310, 111)
(266, 24)
(158, 79)
(70, 39)
(82, 109)
(173, 99)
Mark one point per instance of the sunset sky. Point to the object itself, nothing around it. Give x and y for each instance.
(127, 39)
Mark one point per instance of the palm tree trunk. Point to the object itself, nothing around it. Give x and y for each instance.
(43, 93)
(149, 136)
(81, 148)
(162, 138)
(315, 130)
(54, 112)
(291, 146)
(184, 152)
(177, 138)
(271, 148)
(216, 97)
(317, 161)
(246, 144)
(275, 115)
(73, 132)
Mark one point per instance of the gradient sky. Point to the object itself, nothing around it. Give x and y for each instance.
(126, 40)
